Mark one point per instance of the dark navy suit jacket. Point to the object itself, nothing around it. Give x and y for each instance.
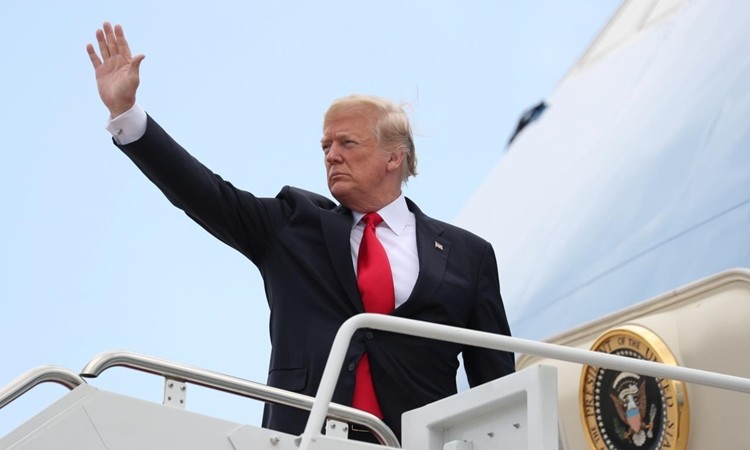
(300, 243)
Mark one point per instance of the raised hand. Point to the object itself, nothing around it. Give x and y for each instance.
(117, 72)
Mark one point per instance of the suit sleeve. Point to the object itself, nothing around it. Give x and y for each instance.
(483, 365)
(234, 216)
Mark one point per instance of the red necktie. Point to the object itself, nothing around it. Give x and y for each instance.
(375, 282)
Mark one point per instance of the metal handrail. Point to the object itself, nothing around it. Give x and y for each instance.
(234, 385)
(34, 377)
(497, 342)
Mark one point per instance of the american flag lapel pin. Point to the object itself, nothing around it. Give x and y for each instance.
(438, 245)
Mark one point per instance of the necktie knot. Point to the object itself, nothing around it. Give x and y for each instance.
(372, 219)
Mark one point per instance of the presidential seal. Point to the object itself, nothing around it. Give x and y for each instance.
(627, 411)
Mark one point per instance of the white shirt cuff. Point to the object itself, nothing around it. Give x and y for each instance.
(129, 126)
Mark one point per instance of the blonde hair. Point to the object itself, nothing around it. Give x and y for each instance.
(392, 128)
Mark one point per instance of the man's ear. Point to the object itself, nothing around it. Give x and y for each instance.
(396, 159)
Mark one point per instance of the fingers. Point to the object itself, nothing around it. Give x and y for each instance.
(93, 56)
(102, 44)
(122, 44)
(111, 40)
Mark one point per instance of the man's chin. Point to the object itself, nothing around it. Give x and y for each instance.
(340, 193)
(337, 189)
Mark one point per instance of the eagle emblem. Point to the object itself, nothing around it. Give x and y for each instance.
(630, 401)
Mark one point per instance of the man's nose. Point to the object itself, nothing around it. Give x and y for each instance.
(334, 154)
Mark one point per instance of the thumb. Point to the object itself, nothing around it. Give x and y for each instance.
(135, 63)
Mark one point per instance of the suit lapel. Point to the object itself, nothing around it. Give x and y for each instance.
(337, 227)
(432, 250)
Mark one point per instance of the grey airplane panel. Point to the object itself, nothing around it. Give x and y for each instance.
(636, 178)
(677, 263)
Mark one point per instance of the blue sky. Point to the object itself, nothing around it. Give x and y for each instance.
(94, 258)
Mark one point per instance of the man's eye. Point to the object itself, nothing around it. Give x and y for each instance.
(325, 148)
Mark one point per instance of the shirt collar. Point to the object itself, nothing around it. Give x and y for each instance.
(395, 215)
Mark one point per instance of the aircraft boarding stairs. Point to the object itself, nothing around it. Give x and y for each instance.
(515, 412)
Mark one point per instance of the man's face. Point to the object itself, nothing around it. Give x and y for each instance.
(356, 166)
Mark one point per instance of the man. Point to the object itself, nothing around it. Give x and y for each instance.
(321, 264)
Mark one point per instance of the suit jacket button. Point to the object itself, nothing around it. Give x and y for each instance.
(352, 366)
(368, 335)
